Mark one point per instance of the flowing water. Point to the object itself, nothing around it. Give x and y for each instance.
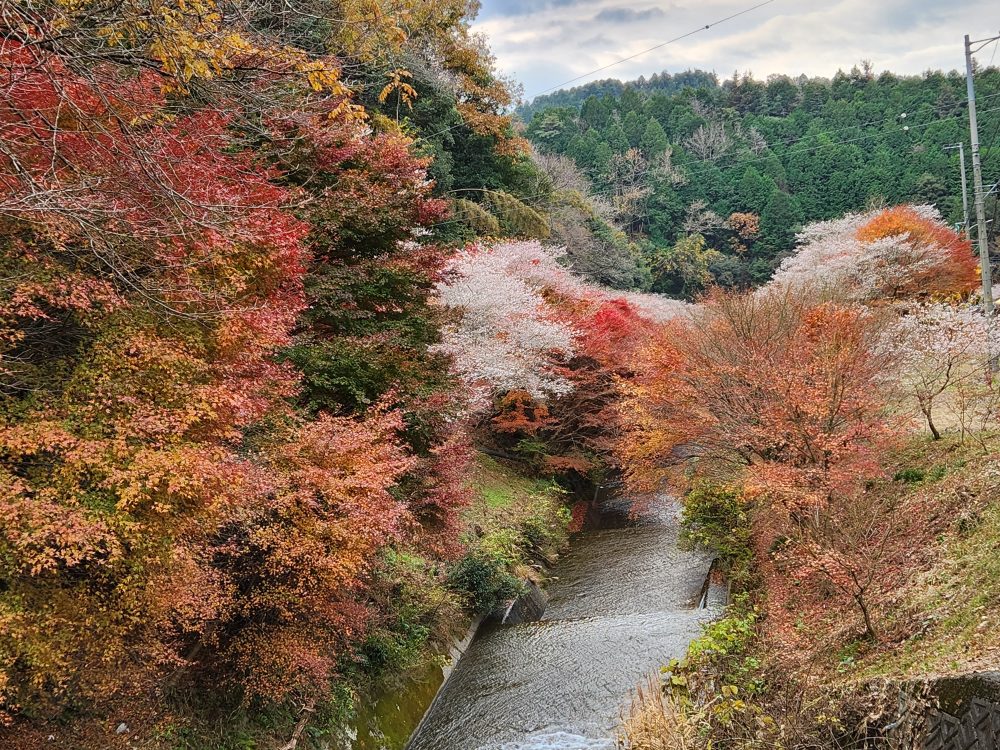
(625, 601)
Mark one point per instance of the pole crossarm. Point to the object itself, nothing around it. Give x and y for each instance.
(960, 146)
(982, 43)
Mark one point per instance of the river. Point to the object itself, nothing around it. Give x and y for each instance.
(624, 601)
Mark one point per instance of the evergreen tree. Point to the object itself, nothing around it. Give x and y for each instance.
(595, 112)
(654, 139)
(754, 191)
(617, 139)
(781, 218)
(634, 126)
(803, 149)
(630, 101)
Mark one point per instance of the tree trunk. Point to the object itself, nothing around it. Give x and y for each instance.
(869, 628)
(307, 711)
(930, 421)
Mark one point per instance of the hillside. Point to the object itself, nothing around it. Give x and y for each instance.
(663, 83)
(746, 163)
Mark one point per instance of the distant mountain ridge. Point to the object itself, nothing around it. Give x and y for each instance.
(663, 82)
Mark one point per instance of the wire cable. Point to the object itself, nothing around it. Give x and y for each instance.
(608, 193)
(699, 30)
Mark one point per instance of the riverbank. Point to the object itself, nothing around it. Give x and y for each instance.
(792, 666)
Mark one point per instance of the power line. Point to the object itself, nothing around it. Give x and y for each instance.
(792, 139)
(902, 129)
(700, 29)
(993, 138)
(743, 163)
(986, 267)
(989, 150)
(713, 160)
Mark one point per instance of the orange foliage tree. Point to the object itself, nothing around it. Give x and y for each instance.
(577, 431)
(763, 381)
(941, 262)
(790, 397)
(584, 424)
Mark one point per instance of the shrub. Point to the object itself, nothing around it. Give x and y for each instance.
(715, 517)
(720, 682)
(483, 579)
(544, 533)
(910, 475)
(414, 606)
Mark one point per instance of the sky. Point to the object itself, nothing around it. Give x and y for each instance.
(544, 43)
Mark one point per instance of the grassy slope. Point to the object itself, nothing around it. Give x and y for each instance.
(956, 601)
(522, 519)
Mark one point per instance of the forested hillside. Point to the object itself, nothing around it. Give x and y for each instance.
(664, 83)
(713, 181)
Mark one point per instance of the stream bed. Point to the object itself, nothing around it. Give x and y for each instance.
(624, 601)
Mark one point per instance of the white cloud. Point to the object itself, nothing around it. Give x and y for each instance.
(546, 42)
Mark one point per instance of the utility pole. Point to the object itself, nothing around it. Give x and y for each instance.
(965, 190)
(977, 177)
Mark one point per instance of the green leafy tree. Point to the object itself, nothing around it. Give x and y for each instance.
(802, 149)
(634, 126)
(630, 101)
(684, 269)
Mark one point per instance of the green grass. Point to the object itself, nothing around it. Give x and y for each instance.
(500, 485)
(510, 510)
(496, 497)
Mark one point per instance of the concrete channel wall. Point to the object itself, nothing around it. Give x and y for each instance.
(959, 712)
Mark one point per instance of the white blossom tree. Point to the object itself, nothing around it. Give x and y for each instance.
(944, 348)
(508, 335)
(506, 338)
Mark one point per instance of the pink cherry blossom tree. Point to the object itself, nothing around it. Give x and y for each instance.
(506, 337)
(514, 324)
